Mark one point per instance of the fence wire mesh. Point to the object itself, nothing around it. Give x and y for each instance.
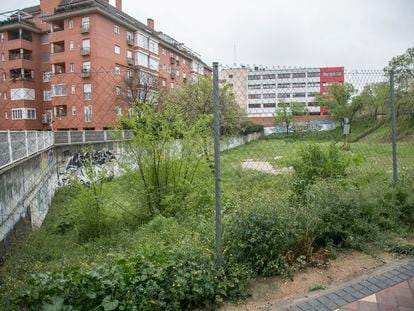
(274, 123)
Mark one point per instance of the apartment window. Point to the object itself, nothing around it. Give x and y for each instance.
(269, 105)
(72, 67)
(87, 91)
(23, 114)
(155, 63)
(269, 77)
(153, 46)
(47, 95)
(5, 95)
(164, 83)
(332, 74)
(314, 84)
(86, 66)
(255, 106)
(70, 24)
(142, 59)
(255, 87)
(313, 94)
(314, 74)
(164, 67)
(117, 49)
(142, 41)
(129, 74)
(269, 86)
(17, 114)
(1, 37)
(299, 94)
(255, 77)
(283, 76)
(164, 52)
(271, 95)
(283, 95)
(129, 36)
(85, 22)
(299, 75)
(129, 55)
(58, 90)
(283, 85)
(117, 29)
(117, 70)
(4, 77)
(88, 113)
(73, 89)
(74, 110)
(118, 91)
(301, 84)
(172, 85)
(71, 45)
(6, 115)
(255, 96)
(2, 57)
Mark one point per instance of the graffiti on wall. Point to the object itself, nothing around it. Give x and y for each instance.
(75, 166)
(317, 125)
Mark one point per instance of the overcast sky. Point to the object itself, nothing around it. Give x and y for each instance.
(353, 33)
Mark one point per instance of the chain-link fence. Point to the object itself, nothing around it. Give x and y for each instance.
(280, 131)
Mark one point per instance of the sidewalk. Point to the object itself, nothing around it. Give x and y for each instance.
(389, 291)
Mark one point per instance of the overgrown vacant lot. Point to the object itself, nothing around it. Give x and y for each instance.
(319, 199)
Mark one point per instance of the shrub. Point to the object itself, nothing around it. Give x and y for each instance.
(182, 282)
(260, 237)
(250, 128)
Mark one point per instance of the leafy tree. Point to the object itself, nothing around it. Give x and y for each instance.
(339, 101)
(287, 112)
(403, 67)
(166, 155)
(195, 99)
(374, 100)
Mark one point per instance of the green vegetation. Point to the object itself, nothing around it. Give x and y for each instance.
(145, 241)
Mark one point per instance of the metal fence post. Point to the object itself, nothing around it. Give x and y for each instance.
(219, 259)
(394, 129)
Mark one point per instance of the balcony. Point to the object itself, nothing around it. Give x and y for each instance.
(131, 61)
(60, 111)
(86, 73)
(85, 51)
(20, 54)
(17, 35)
(58, 47)
(58, 26)
(21, 75)
(59, 68)
(85, 27)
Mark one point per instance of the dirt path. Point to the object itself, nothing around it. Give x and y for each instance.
(270, 291)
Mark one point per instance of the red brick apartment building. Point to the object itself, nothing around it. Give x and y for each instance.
(75, 64)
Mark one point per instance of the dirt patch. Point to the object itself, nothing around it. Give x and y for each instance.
(265, 292)
(265, 167)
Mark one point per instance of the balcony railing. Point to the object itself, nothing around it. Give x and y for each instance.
(85, 28)
(85, 51)
(86, 74)
(21, 77)
(20, 56)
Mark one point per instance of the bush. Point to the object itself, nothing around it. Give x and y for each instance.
(182, 282)
(250, 128)
(260, 237)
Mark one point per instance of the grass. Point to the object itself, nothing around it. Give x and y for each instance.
(50, 249)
